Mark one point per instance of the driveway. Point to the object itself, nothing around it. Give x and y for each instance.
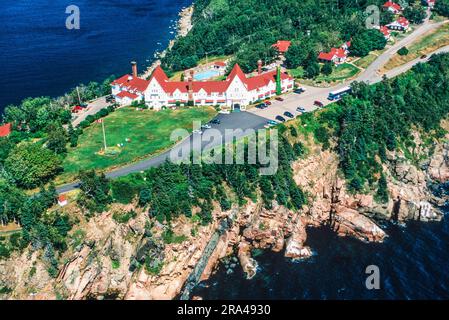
(92, 108)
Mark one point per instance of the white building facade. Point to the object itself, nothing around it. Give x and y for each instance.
(235, 92)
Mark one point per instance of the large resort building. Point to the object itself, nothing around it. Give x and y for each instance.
(235, 92)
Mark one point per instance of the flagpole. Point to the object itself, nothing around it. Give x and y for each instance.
(104, 136)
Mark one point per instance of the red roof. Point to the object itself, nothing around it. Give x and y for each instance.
(394, 6)
(62, 198)
(282, 45)
(5, 130)
(385, 31)
(77, 108)
(335, 52)
(131, 83)
(126, 94)
(237, 72)
(215, 86)
(220, 64)
(403, 22)
(264, 79)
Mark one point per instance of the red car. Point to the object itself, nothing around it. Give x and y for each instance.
(318, 104)
(268, 103)
(279, 99)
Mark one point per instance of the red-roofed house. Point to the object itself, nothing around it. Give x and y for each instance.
(336, 55)
(62, 200)
(282, 46)
(133, 85)
(5, 130)
(392, 7)
(386, 32)
(401, 24)
(236, 91)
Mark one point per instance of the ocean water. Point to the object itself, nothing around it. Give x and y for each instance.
(39, 56)
(413, 264)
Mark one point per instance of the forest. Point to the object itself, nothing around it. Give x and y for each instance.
(247, 29)
(379, 118)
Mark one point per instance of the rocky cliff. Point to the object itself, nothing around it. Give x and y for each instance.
(111, 260)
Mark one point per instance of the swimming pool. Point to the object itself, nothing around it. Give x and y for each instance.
(204, 75)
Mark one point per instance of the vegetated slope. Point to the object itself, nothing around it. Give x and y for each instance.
(249, 28)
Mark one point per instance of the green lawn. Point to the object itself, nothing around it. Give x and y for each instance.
(341, 72)
(149, 132)
(365, 62)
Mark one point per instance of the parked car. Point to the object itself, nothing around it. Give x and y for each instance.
(280, 119)
(299, 90)
(272, 122)
(83, 105)
(289, 115)
(279, 99)
(424, 56)
(215, 121)
(206, 126)
(110, 99)
(268, 103)
(300, 109)
(318, 104)
(197, 132)
(225, 112)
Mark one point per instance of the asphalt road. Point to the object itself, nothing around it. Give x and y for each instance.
(256, 118)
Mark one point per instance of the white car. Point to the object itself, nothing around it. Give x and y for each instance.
(206, 126)
(225, 112)
(197, 132)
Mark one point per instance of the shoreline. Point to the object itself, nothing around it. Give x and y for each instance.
(184, 25)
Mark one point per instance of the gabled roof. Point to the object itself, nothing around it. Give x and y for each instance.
(335, 52)
(5, 130)
(392, 5)
(132, 83)
(159, 74)
(264, 79)
(403, 21)
(282, 45)
(220, 64)
(237, 72)
(126, 94)
(209, 86)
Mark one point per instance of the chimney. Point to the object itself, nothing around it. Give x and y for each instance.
(259, 67)
(134, 67)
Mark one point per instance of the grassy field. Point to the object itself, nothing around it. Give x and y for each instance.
(365, 62)
(341, 72)
(425, 45)
(149, 133)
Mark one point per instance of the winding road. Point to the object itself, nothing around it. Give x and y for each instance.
(256, 118)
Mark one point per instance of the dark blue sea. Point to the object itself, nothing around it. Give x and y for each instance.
(413, 264)
(39, 56)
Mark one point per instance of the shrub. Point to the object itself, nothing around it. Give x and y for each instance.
(403, 51)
